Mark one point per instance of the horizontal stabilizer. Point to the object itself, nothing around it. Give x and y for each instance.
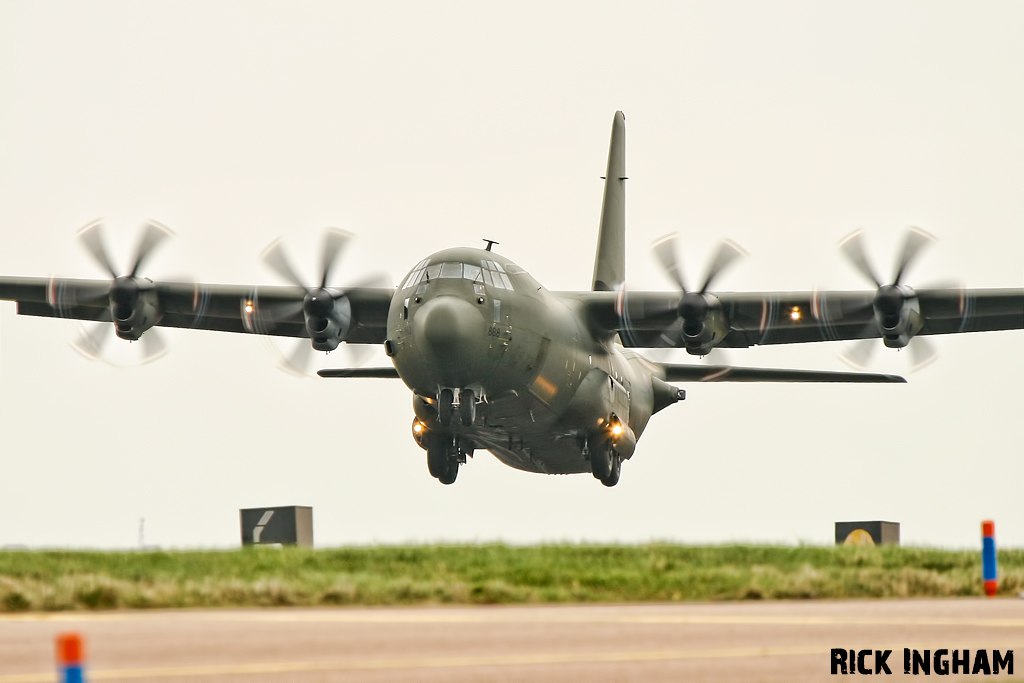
(382, 373)
(727, 373)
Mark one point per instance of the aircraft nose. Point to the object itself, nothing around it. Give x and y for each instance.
(453, 332)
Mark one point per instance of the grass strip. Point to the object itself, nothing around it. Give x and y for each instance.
(486, 574)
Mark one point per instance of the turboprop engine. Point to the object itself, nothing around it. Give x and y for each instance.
(897, 310)
(328, 318)
(132, 301)
(133, 306)
(897, 314)
(703, 322)
(327, 313)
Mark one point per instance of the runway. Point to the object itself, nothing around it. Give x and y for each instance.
(775, 641)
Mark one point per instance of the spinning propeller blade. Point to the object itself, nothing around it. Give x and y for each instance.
(277, 260)
(889, 298)
(335, 241)
(123, 292)
(853, 248)
(91, 237)
(153, 234)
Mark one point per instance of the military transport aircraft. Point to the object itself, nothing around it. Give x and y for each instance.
(548, 382)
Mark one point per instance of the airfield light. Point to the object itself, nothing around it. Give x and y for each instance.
(795, 314)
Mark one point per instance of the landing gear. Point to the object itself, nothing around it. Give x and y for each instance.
(449, 476)
(445, 453)
(442, 458)
(601, 456)
(605, 462)
(445, 406)
(467, 407)
(613, 476)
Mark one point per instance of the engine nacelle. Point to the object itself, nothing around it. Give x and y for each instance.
(134, 307)
(704, 323)
(328, 320)
(898, 315)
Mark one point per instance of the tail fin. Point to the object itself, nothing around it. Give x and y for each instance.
(610, 263)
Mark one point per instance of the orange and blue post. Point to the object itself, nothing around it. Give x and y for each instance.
(988, 557)
(70, 657)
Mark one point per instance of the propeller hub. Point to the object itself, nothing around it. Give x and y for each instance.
(124, 295)
(693, 307)
(124, 290)
(318, 303)
(889, 300)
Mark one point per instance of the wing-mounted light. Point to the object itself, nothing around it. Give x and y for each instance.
(896, 309)
(133, 305)
(703, 322)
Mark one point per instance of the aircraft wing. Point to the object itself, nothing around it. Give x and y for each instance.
(651, 320)
(272, 310)
(729, 373)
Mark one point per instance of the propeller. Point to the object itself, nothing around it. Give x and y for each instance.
(124, 293)
(321, 307)
(300, 358)
(694, 305)
(890, 299)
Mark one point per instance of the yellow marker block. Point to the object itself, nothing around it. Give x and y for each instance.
(859, 537)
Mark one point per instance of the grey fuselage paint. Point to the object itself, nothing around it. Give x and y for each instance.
(546, 383)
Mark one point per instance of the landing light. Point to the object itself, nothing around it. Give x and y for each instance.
(795, 314)
(617, 429)
(248, 307)
(418, 427)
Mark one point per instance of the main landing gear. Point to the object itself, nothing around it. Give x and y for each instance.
(445, 453)
(605, 462)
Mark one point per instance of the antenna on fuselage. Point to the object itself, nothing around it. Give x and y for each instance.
(490, 243)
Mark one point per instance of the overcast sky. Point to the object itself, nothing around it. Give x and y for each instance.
(781, 125)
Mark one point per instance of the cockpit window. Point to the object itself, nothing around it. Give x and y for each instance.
(491, 273)
(451, 270)
(416, 274)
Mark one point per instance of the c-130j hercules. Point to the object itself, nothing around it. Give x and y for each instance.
(548, 382)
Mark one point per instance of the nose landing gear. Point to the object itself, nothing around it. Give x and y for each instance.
(445, 406)
(448, 400)
(467, 407)
(446, 451)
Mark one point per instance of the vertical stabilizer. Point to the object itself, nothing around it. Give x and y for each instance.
(610, 263)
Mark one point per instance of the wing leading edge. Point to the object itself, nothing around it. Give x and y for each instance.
(727, 373)
(650, 319)
(224, 308)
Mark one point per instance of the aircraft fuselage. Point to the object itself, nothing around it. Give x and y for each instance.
(544, 387)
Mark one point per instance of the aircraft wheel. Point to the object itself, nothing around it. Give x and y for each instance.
(467, 407)
(449, 475)
(613, 476)
(601, 459)
(445, 407)
(438, 455)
